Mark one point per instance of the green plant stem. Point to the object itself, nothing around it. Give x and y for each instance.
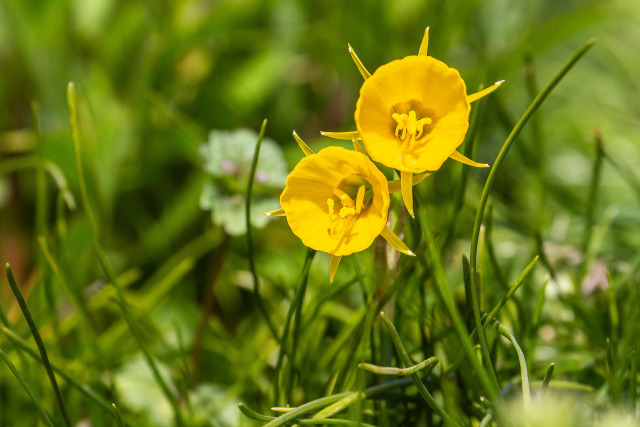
(524, 375)
(326, 421)
(487, 191)
(154, 368)
(247, 206)
(427, 364)
(323, 405)
(416, 379)
(82, 388)
(512, 290)
(496, 309)
(547, 377)
(306, 408)
(614, 389)
(116, 414)
(440, 278)
(297, 300)
(104, 261)
(36, 336)
(79, 305)
(486, 420)
(591, 205)
(633, 392)
(297, 320)
(43, 414)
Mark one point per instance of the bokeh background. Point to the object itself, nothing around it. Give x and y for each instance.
(159, 80)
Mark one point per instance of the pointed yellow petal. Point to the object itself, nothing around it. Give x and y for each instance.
(277, 212)
(395, 241)
(462, 159)
(358, 147)
(425, 43)
(342, 135)
(484, 92)
(406, 185)
(359, 64)
(359, 199)
(333, 266)
(394, 186)
(304, 147)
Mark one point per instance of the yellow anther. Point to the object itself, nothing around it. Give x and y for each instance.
(330, 203)
(344, 197)
(347, 211)
(410, 125)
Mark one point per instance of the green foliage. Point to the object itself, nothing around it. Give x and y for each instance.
(128, 240)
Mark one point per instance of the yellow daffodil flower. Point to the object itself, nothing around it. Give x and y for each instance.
(412, 114)
(337, 201)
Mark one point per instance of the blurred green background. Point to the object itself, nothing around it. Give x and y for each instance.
(154, 78)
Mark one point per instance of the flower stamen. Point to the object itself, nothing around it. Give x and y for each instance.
(344, 198)
(410, 126)
(360, 199)
(348, 210)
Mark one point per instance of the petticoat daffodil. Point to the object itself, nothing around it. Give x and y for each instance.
(337, 201)
(412, 114)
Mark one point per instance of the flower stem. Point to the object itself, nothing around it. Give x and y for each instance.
(252, 266)
(485, 197)
(295, 305)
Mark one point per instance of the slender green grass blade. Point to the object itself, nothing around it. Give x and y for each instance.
(297, 301)
(85, 389)
(426, 364)
(486, 420)
(116, 414)
(489, 186)
(547, 377)
(491, 387)
(633, 383)
(36, 336)
(496, 309)
(247, 206)
(43, 414)
(418, 382)
(524, 375)
(326, 421)
(614, 386)
(305, 409)
(592, 200)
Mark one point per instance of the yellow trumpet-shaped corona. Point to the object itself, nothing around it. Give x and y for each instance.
(337, 201)
(413, 113)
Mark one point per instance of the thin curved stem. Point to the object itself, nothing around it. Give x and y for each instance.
(247, 205)
(473, 255)
(36, 336)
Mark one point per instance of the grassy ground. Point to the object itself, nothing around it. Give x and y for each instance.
(128, 239)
